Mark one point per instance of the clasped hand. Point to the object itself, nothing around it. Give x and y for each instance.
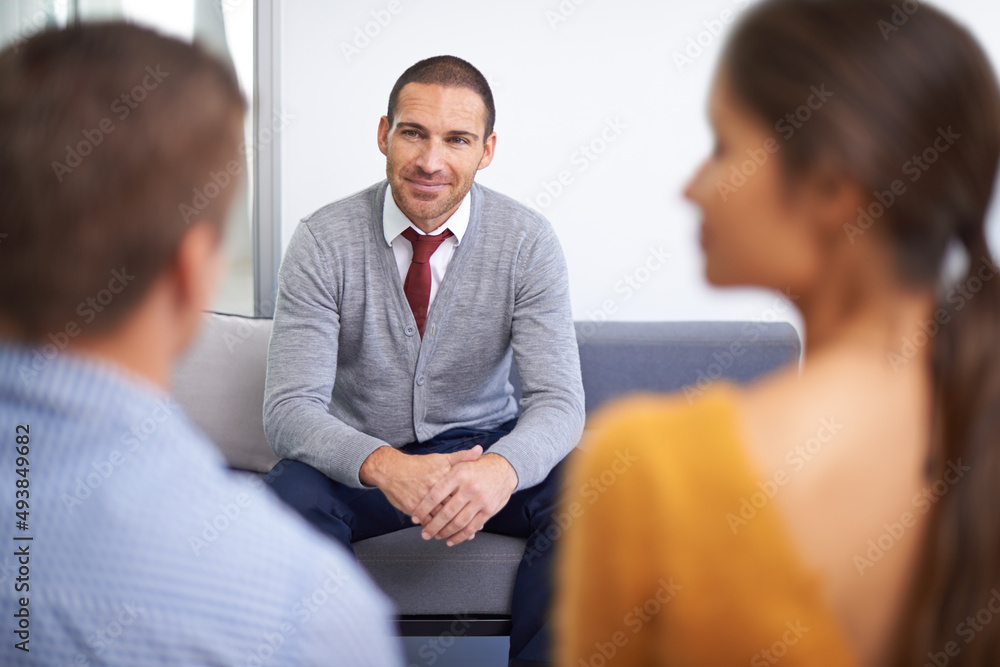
(451, 495)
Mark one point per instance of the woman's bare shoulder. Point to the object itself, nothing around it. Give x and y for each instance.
(848, 440)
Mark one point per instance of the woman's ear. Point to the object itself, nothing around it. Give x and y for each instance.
(833, 201)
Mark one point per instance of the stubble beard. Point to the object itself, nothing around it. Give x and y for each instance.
(409, 206)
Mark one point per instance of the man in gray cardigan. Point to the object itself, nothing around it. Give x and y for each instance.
(399, 310)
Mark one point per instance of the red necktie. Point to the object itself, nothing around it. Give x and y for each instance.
(417, 285)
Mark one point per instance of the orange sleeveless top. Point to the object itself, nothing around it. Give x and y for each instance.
(659, 562)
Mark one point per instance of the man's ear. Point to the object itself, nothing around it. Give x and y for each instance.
(194, 275)
(489, 147)
(383, 135)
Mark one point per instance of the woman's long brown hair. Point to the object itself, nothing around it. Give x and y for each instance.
(906, 82)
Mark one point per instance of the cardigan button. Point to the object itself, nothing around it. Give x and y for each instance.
(410, 330)
(420, 381)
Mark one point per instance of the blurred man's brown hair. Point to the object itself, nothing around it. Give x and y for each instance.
(113, 140)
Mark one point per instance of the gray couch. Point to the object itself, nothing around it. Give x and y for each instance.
(220, 383)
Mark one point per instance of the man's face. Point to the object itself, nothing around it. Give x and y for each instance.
(434, 149)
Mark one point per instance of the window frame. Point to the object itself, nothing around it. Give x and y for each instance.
(266, 214)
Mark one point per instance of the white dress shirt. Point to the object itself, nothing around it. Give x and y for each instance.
(394, 222)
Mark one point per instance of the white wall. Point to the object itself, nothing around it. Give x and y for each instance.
(562, 73)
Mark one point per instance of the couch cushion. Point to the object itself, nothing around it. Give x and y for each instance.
(619, 358)
(475, 577)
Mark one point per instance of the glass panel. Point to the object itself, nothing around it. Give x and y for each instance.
(20, 19)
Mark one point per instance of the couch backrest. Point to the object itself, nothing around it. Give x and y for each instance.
(220, 381)
(624, 357)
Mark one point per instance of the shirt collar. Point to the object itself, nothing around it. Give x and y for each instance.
(394, 221)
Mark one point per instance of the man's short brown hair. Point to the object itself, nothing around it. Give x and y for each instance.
(107, 132)
(450, 72)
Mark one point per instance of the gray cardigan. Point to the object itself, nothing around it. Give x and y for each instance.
(346, 369)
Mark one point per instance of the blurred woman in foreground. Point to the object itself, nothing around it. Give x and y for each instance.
(850, 513)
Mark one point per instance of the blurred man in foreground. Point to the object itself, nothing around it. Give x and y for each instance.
(106, 263)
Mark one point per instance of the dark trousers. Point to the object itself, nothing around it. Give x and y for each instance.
(349, 514)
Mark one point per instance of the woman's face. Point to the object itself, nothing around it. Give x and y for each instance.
(755, 228)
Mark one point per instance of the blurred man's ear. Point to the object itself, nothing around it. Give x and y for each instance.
(194, 277)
